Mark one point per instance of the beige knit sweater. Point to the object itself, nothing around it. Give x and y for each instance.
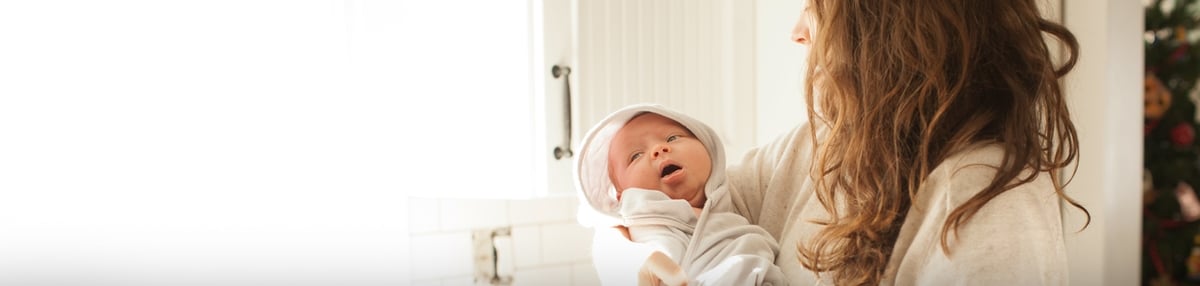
(1015, 239)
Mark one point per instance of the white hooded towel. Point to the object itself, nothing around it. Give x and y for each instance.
(717, 248)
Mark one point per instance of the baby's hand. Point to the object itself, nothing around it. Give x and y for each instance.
(661, 270)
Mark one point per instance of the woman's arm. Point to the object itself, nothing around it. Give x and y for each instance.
(750, 182)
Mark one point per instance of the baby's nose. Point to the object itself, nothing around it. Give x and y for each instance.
(658, 151)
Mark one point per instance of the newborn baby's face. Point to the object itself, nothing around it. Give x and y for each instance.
(656, 153)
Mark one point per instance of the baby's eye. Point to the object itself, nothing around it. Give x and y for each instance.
(672, 138)
(635, 156)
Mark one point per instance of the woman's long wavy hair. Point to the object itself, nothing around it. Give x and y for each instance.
(903, 86)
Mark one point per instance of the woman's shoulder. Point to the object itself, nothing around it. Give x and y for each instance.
(790, 149)
(967, 172)
(1024, 222)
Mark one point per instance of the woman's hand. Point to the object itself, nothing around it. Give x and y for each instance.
(661, 270)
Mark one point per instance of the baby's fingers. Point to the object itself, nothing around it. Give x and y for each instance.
(661, 270)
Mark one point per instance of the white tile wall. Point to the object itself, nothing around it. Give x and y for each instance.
(550, 247)
(552, 275)
(439, 255)
(527, 246)
(540, 211)
(559, 243)
(464, 214)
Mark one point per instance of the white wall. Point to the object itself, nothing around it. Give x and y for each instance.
(779, 69)
(1105, 93)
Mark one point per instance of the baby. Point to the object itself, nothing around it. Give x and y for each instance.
(654, 170)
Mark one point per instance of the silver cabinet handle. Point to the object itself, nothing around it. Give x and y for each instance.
(564, 150)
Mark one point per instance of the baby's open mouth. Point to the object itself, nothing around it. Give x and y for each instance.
(670, 169)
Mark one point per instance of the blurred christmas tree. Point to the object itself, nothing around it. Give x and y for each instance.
(1171, 161)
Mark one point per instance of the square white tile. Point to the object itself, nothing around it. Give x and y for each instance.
(535, 211)
(566, 242)
(468, 214)
(572, 204)
(527, 246)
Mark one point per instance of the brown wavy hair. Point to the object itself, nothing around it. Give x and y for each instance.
(906, 84)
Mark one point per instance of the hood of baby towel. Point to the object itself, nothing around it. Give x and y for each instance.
(591, 163)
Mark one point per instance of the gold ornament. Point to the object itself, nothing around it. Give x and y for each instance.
(1157, 98)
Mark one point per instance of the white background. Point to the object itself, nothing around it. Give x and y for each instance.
(199, 143)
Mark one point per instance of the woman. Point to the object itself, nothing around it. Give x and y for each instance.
(934, 155)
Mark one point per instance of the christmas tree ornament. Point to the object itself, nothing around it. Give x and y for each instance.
(1156, 97)
(1189, 206)
(1182, 135)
